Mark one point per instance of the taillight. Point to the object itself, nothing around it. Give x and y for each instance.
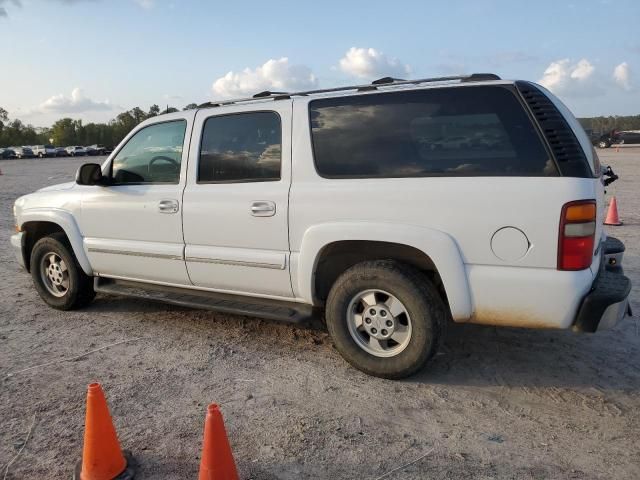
(577, 235)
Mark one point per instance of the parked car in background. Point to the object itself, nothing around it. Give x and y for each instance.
(22, 152)
(627, 137)
(7, 153)
(44, 151)
(76, 151)
(594, 136)
(61, 152)
(96, 149)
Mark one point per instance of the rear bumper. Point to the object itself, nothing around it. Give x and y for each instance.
(613, 253)
(607, 302)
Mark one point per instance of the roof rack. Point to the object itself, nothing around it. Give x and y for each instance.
(381, 82)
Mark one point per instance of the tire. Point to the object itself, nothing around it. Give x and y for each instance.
(603, 144)
(78, 290)
(425, 316)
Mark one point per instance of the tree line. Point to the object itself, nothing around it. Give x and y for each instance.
(607, 124)
(68, 131)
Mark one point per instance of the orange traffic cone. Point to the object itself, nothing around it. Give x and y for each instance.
(102, 458)
(612, 214)
(217, 460)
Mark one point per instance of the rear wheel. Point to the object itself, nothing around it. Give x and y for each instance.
(57, 276)
(603, 144)
(385, 318)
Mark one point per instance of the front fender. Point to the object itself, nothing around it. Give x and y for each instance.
(67, 222)
(437, 245)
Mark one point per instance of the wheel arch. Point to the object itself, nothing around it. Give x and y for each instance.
(39, 223)
(327, 250)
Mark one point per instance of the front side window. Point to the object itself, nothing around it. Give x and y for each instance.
(468, 131)
(243, 147)
(152, 155)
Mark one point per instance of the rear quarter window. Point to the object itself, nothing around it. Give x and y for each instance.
(468, 131)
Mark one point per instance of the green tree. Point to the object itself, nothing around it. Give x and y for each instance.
(67, 131)
(154, 110)
(138, 114)
(191, 106)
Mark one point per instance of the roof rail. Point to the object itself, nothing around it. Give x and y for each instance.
(385, 80)
(268, 93)
(381, 82)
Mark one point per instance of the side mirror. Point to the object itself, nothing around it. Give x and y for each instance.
(89, 174)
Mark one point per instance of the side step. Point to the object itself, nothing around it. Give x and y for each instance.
(240, 305)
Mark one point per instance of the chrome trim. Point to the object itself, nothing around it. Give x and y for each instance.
(220, 261)
(164, 256)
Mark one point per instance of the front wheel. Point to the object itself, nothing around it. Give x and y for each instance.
(385, 318)
(603, 144)
(57, 276)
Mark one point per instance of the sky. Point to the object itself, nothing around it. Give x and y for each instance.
(92, 59)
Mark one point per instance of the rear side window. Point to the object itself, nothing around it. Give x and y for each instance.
(243, 147)
(470, 131)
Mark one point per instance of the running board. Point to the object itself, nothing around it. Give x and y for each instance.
(220, 302)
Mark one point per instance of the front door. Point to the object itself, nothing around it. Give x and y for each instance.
(236, 200)
(133, 227)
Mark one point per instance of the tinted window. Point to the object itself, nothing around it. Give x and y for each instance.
(153, 155)
(243, 147)
(438, 132)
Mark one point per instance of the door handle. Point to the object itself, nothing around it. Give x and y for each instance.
(263, 208)
(168, 206)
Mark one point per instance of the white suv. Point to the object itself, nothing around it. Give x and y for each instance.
(44, 151)
(393, 208)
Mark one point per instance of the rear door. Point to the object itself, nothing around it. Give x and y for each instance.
(236, 200)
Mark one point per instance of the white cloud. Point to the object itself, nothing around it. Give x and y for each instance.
(583, 70)
(276, 75)
(371, 63)
(566, 78)
(77, 102)
(622, 76)
(3, 10)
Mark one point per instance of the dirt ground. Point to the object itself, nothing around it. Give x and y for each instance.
(495, 403)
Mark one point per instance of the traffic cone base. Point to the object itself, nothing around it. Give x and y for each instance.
(612, 214)
(217, 460)
(102, 458)
(128, 474)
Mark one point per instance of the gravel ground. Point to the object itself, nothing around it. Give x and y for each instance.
(495, 403)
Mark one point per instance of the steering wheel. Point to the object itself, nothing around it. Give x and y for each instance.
(175, 164)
